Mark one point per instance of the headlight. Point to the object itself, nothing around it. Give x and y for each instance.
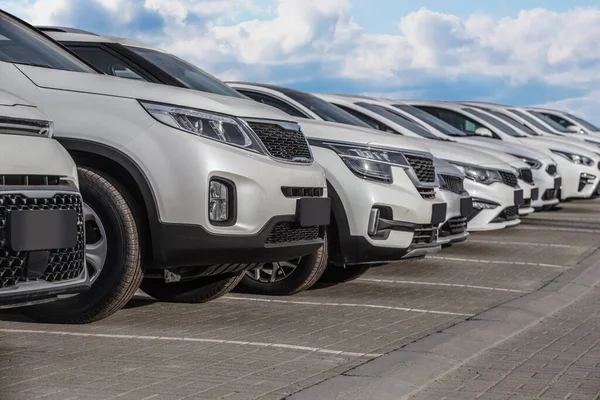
(221, 128)
(575, 158)
(369, 163)
(534, 164)
(478, 174)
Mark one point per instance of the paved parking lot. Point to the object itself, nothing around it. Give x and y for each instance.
(313, 344)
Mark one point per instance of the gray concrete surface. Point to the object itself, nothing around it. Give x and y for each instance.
(473, 321)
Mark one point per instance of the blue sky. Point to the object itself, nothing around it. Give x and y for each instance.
(516, 52)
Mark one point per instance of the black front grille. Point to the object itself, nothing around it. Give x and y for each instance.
(286, 232)
(550, 194)
(526, 203)
(302, 192)
(29, 180)
(427, 193)
(511, 213)
(454, 226)
(510, 179)
(425, 234)
(453, 183)
(282, 143)
(63, 264)
(526, 175)
(551, 169)
(422, 166)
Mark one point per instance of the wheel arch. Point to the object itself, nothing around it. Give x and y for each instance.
(126, 171)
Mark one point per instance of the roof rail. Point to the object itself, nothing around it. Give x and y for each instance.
(63, 30)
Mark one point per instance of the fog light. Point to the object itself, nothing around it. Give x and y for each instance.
(588, 177)
(480, 205)
(218, 206)
(373, 222)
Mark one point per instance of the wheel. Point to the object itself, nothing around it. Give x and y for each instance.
(335, 274)
(113, 254)
(285, 278)
(199, 290)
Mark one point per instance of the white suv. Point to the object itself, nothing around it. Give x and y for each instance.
(190, 189)
(42, 244)
(395, 177)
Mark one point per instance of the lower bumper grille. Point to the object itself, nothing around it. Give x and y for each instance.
(508, 214)
(63, 264)
(425, 234)
(427, 193)
(550, 194)
(526, 203)
(287, 232)
(454, 226)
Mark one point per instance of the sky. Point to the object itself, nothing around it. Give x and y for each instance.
(519, 52)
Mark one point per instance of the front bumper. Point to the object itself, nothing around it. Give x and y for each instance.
(179, 167)
(572, 174)
(29, 276)
(529, 193)
(454, 228)
(549, 187)
(503, 211)
(397, 231)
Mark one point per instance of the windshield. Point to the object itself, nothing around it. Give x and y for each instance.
(190, 76)
(586, 125)
(399, 119)
(553, 124)
(429, 119)
(494, 122)
(21, 45)
(512, 122)
(324, 109)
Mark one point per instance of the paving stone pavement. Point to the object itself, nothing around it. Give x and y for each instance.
(258, 347)
(559, 358)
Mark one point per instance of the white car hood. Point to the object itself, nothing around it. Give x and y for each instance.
(468, 154)
(13, 106)
(508, 148)
(443, 167)
(355, 134)
(128, 88)
(560, 144)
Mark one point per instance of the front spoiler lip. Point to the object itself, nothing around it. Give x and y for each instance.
(456, 238)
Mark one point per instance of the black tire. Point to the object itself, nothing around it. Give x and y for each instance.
(121, 274)
(335, 274)
(198, 290)
(307, 273)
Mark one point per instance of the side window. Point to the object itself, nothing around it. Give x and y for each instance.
(373, 123)
(455, 119)
(106, 62)
(558, 119)
(273, 102)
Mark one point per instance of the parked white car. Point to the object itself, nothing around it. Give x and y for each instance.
(312, 107)
(177, 178)
(570, 122)
(400, 180)
(577, 166)
(42, 244)
(543, 167)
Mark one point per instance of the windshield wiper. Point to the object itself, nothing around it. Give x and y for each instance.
(33, 64)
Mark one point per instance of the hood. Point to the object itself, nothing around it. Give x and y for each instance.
(355, 134)
(13, 106)
(466, 154)
(509, 148)
(129, 88)
(10, 99)
(550, 143)
(445, 168)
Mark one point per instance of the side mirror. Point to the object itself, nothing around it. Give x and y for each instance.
(485, 132)
(575, 129)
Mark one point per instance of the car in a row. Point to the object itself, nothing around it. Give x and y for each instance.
(191, 187)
